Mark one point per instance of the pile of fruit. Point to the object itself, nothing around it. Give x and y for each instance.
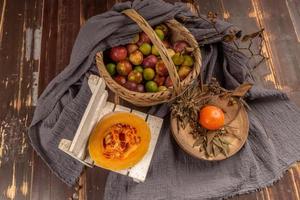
(139, 67)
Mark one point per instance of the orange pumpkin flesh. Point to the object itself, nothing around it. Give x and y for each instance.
(135, 153)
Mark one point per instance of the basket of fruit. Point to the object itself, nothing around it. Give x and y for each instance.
(156, 67)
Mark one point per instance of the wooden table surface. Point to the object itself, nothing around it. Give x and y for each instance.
(36, 37)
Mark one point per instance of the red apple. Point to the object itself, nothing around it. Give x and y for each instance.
(168, 82)
(136, 57)
(131, 48)
(159, 80)
(150, 61)
(130, 85)
(124, 67)
(180, 46)
(118, 53)
(143, 38)
(161, 69)
(120, 79)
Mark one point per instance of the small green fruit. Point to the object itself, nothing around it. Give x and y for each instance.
(155, 51)
(151, 86)
(145, 48)
(188, 60)
(148, 74)
(111, 68)
(160, 34)
(139, 68)
(162, 88)
(178, 59)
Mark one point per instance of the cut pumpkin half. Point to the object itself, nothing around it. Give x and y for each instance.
(119, 141)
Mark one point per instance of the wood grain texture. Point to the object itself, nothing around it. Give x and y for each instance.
(25, 58)
(19, 20)
(61, 23)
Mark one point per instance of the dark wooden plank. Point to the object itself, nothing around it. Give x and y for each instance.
(242, 14)
(41, 184)
(294, 173)
(95, 183)
(61, 23)
(16, 95)
(214, 6)
(281, 190)
(283, 42)
(294, 11)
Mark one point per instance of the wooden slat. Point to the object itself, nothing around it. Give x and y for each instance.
(283, 43)
(89, 118)
(96, 109)
(140, 170)
(293, 8)
(109, 107)
(140, 114)
(210, 6)
(122, 108)
(41, 186)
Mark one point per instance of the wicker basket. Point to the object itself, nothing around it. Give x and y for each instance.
(178, 32)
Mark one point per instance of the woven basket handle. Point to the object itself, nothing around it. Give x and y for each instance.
(143, 24)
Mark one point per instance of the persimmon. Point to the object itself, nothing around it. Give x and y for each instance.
(211, 117)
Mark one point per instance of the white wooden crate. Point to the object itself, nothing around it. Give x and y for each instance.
(96, 109)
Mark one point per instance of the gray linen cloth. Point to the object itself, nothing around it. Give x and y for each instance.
(274, 138)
